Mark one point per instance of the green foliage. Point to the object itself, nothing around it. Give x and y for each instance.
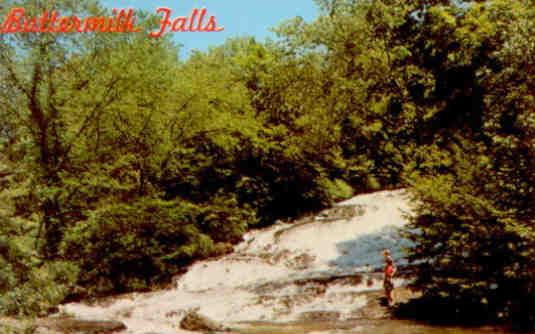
(130, 246)
(353, 86)
(20, 327)
(40, 290)
(29, 287)
(338, 189)
(474, 237)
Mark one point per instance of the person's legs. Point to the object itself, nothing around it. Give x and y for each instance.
(388, 291)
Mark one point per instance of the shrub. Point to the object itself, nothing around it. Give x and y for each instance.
(130, 247)
(29, 287)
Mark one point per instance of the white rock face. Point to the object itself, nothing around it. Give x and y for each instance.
(278, 273)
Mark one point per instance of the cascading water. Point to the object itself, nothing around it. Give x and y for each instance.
(318, 265)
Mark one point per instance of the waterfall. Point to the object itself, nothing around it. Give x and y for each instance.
(318, 265)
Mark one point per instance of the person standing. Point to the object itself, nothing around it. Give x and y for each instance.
(389, 272)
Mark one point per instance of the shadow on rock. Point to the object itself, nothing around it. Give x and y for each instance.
(367, 249)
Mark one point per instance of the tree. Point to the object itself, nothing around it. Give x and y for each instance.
(474, 231)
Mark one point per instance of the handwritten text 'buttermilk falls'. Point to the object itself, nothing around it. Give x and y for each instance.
(121, 21)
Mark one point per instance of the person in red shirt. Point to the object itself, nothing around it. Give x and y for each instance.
(389, 271)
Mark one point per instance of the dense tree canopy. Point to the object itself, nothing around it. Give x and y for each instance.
(474, 232)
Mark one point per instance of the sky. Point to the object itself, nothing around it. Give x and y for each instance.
(238, 17)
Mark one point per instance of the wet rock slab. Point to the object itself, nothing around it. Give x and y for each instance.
(196, 322)
(69, 325)
(320, 316)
